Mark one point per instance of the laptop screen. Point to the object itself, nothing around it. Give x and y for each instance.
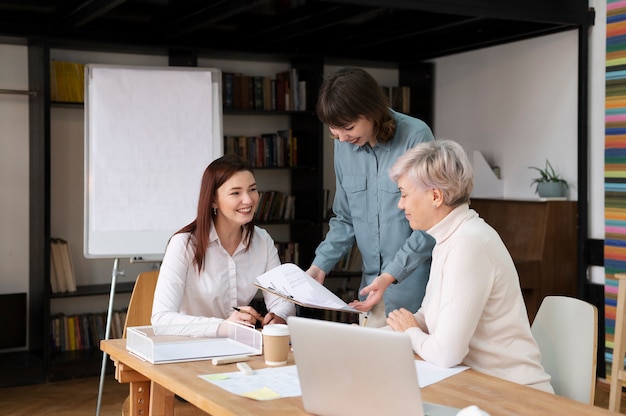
(347, 370)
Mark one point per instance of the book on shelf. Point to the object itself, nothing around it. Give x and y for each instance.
(259, 98)
(302, 96)
(399, 97)
(266, 150)
(268, 94)
(284, 92)
(246, 101)
(67, 82)
(236, 91)
(62, 278)
(289, 252)
(83, 331)
(272, 206)
(227, 90)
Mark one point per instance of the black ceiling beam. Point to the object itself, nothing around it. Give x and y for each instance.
(213, 13)
(85, 13)
(302, 22)
(573, 12)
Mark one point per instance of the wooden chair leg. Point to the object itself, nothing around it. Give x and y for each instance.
(617, 368)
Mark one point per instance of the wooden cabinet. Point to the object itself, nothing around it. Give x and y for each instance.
(541, 237)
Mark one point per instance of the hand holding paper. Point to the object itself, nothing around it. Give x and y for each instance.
(294, 284)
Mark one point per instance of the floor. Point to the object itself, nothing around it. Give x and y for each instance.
(79, 397)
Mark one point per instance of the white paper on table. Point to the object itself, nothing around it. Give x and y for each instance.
(281, 380)
(278, 382)
(428, 373)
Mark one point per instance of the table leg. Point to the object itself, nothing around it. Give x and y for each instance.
(161, 400)
(140, 398)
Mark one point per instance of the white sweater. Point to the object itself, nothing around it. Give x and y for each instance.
(473, 312)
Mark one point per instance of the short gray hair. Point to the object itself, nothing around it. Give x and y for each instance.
(439, 164)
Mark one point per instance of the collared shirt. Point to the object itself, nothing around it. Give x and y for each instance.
(366, 211)
(473, 312)
(184, 296)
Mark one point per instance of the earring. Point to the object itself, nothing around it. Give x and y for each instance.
(434, 205)
(214, 211)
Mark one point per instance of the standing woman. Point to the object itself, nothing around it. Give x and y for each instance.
(473, 312)
(370, 137)
(209, 265)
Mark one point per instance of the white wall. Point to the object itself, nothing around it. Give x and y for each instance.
(14, 168)
(516, 104)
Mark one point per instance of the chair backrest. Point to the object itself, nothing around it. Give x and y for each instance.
(140, 305)
(566, 330)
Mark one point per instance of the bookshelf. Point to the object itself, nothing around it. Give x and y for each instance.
(302, 178)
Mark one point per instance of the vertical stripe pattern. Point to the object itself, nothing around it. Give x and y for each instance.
(615, 165)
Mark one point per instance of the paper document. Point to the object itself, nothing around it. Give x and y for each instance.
(264, 384)
(294, 284)
(277, 382)
(428, 373)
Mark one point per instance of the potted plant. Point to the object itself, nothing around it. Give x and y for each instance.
(549, 184)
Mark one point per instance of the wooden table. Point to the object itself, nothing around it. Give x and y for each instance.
(157, 384)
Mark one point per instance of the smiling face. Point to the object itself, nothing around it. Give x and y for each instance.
(357, 133)
(419, 205)
(237, 198)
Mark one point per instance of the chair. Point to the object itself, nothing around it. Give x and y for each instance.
(618, 375)
(566, 330)
(138, 314)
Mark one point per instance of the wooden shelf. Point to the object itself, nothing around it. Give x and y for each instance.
(95, 290)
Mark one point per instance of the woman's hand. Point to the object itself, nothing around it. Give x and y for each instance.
(374, 292)
(246, 314)
(271, 318)
(401, 320)
(317, 274)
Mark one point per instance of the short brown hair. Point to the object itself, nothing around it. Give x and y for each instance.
(351, 93)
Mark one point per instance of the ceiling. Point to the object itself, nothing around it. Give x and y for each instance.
(391, 30)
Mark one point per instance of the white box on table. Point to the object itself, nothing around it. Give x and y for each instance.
(162, 344)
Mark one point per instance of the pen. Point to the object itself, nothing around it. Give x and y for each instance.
(240, 310)
(365, 319)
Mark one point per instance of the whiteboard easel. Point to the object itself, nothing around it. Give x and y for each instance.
(149, 134)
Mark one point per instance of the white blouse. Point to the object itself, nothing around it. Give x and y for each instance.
(184, 296)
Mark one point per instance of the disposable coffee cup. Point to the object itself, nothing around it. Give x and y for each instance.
(275, 344)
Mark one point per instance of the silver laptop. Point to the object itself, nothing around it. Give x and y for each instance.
(348, 370)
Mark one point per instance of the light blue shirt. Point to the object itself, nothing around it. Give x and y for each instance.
(366, 210)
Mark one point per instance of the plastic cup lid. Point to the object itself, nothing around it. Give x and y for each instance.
(275, 329)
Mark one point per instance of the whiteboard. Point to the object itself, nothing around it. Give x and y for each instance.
(150, 132)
